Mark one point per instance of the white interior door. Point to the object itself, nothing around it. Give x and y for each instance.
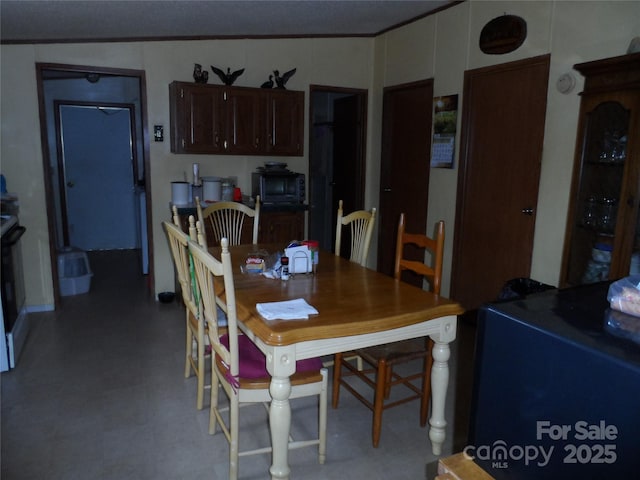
(102, 209)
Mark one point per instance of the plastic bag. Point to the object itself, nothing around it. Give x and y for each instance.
(624, 295)
(622, 325)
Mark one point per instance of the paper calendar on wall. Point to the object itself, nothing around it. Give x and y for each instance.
(445, 119)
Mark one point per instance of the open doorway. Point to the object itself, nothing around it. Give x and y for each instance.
(93, 128)
(337, 119)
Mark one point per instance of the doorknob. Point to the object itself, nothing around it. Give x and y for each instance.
(527, 211)
(386, 190)
(70, 184)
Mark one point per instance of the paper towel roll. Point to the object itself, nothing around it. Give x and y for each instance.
(196, 174)
(180, 193)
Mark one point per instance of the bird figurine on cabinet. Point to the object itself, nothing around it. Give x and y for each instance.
(268, 83)
(281, 81)
(199, 75)
(229, 77)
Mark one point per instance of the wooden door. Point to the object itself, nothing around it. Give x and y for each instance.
(404, 170)
(501, 148)
(96, 168)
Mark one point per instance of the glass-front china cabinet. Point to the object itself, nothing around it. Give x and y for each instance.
(602, 240)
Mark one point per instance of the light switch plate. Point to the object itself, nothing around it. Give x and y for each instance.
(158, 133)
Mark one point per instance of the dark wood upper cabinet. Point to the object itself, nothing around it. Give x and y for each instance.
(285, 122)
(217, 119)
(602, 239)
(243, 121)
(196, 118)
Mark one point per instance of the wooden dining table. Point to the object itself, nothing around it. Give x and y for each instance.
(357, 307)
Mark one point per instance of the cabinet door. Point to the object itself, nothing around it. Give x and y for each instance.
(196, 115)
(285, 123)
(243, 133)
(281, 227)
(602, 232)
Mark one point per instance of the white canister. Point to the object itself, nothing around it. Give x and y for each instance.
(180, 193)
(227, 191)
(211, 189)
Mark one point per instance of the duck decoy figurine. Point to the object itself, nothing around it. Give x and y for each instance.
(268, 83)
(199, 75)
(281, 81)
(227, 78)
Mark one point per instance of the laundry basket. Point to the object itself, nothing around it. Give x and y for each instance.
(73, 271)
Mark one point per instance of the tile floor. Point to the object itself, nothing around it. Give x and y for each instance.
(99, 393)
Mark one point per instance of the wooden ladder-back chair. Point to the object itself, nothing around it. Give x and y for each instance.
(383, 358)
(240, 367)
(195, 326)
(361, 223)
(226, 220)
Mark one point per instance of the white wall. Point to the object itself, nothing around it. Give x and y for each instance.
(441, 46)
(334, 62)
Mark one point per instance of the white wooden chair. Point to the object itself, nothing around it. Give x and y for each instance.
(361, 224)
(361, 229)
(226, 219)
(240, 367)
(195, 326)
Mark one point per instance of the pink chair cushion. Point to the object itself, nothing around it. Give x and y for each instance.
(253, 362)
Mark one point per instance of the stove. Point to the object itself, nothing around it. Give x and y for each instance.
(14, 327)
(7, 222)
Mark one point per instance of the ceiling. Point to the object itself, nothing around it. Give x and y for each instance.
(54, 21)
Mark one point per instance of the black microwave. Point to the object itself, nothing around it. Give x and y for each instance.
(278, 186)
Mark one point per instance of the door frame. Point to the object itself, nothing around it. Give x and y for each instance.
(360, 180)
(76, 71)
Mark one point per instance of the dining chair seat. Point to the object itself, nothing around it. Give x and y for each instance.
(253, 363)
(393, 351)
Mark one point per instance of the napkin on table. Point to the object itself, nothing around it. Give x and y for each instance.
(288, 310)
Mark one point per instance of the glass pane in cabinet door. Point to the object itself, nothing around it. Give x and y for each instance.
(634, 265)
(601, 176)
